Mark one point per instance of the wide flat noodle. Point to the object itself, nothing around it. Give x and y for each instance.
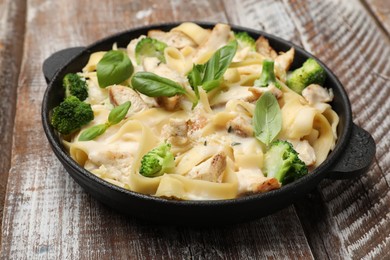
(194, 31)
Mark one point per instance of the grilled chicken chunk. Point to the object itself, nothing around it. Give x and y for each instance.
(253, 181)
(210, 170)
(316, 94)
(241, 126)
(219, 36)
(257, 92)
(154, 65)
(121, 94)
(176, 132)
(169, 103)
(263, 47)
(175, 39)
(285, 59)
(305, 151)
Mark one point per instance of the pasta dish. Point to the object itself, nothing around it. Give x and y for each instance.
(197, 114)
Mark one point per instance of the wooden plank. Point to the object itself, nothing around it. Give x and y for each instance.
(12, 15)
(347, 219)
(268, 15)
(381, 10)
(48, 216)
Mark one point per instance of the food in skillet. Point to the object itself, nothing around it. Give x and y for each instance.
(197, 114)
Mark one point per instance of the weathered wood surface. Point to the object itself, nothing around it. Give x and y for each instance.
(12, 16)
(47, 215)
(381, 11)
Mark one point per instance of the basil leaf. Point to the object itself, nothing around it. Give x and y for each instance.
(212, 84)
(114, 68)
(267, 118)
(223, 57)
(93, 132)
(211, 67)
(195, 75)
(210, 74)
(153, 85)
(118, 113)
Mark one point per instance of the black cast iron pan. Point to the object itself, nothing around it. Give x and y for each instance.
(353, 154)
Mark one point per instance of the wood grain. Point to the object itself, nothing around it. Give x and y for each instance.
(12, 17)
(381, 11)
(49, 216)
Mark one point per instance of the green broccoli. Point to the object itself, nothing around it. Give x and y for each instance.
(267, 75)
(75, 86)
(157, 161)
(244, 40)
(310, 73)
(282, 162)
(71, 115)
(149, 47)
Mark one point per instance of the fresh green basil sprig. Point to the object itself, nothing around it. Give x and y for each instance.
(267, 118)
(209, 75)
(116, 115)
(114, 68)
(152, 85)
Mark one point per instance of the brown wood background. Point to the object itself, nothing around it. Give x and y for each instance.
(47, 216)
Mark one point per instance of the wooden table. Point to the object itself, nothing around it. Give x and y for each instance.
(46, 215)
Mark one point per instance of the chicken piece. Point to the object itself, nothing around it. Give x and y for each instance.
(305, 151)
(253, 181)
(263, 47)
(121, 94)
(169, 103)
(238, 92)
(149, 101)
(285, 59)
(241, 126)
(210, 170)
(150, 63)
(219, 37)
(116, 160)
(257, 92)
(316, 94)
(176, 39)
(176, 132)
(154, 65)
(198, 121)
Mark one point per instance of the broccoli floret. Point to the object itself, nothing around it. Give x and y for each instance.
(267, 75)
(310, 73)
(75, 86)
(149, 47)
(71, 115)
(244, 40)
(157, 161)
(282, 162)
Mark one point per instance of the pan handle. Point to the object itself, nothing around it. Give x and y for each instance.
(357, 156)
(57, 60)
